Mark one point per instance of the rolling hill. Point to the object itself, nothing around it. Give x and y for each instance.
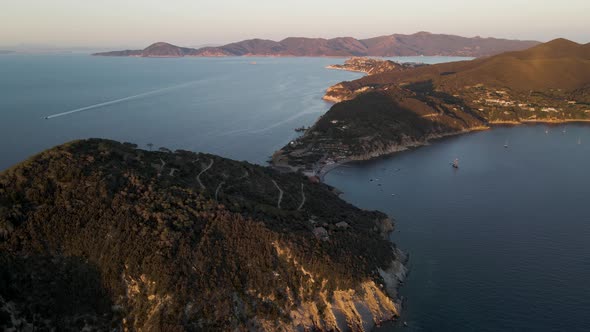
(99, 235)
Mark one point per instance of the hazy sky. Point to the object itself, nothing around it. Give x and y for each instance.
(136, 23)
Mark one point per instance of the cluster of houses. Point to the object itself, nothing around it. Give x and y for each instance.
(501, 98)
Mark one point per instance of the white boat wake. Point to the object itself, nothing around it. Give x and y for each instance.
(116, 101)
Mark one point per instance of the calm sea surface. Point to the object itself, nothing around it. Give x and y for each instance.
(501, 244)
(226, 106)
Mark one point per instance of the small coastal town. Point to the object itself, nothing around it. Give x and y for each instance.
(505, 106)
(391, 110)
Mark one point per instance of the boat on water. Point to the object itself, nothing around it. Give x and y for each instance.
(455, 163)
(506, 144)
(579, 140)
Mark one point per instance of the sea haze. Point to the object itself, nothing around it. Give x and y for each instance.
(500, 244)
(241, 108)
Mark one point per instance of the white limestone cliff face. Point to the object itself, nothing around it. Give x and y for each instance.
(359, 309)
(338, 93)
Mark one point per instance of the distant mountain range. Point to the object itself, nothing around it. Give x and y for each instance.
(421, 43)
(5, 52)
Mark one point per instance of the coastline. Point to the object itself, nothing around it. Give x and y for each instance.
(394, 276)
(335, 67)
(395, 148)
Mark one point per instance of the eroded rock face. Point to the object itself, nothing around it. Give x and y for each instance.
(385, 226)
(358, 309)
(395, 273)
(340, 92)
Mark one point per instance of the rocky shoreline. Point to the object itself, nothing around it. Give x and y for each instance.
(395, 148)
(360, 309)
(336, 67)
(392, 149)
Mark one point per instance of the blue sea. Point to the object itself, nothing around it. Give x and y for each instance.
(228, 106)
(500, 244)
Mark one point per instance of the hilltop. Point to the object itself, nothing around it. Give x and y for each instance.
(96, 234)
(156, 50)
(421, 43)
(394, 110)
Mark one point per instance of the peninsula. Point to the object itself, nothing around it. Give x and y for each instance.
(421, 43)
(100, 235)
(372, 66)
(397, 109)
(369, 66)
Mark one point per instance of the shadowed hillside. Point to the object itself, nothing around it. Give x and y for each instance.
(99, 234)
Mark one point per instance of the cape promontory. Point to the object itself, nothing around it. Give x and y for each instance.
(421, 43)
(397, 109)
(100, 235)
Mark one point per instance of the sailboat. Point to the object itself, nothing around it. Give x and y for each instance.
(579, 140)
(455, 163)
(546, 130)
(506, 144)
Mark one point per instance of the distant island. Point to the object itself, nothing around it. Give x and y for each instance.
(406, 107)
(421, 43)
(6, 52)
(372, 66)
(101, 235)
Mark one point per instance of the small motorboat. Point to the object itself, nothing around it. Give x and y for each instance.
(455, 163)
